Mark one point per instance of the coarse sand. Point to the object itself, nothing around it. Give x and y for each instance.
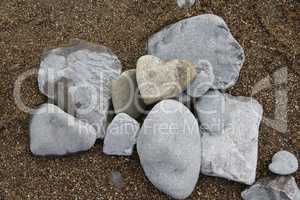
(268, 30)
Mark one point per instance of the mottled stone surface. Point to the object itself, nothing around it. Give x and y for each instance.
(231, 153)
(204, 37)
(126, 97)
(121, 135)
(78, 77)
(158, 79)
(169, 148)
(204, 80)
(185, 3)
(54, 132)
(278, 188)
(284, 163)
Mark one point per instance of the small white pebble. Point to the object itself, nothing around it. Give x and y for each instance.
(185, 3)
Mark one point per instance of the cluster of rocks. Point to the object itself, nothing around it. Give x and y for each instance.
(193, 127)
(281, 187)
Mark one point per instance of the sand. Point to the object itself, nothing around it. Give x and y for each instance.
(268, 30)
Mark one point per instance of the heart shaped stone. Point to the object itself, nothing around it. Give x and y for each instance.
(158, 79)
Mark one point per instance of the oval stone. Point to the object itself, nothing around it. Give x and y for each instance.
(169, 148)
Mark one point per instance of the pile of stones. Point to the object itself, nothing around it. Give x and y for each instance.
(173, 107)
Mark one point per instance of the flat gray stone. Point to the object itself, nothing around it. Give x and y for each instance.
(185, 3)
(158, 79)
(204, 37)
(126, 97)
(78, 77)
(54, 132)
(169, 148)
(121, 136)
(278, 188)
(284, 163)
(231, 153)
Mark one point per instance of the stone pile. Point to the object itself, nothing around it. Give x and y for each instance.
(188, 67)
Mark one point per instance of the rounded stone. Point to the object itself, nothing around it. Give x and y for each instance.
(169, 148)
(185, 3)
(284, 163)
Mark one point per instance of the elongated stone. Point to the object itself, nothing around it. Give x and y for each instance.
(126, 97)
(169, 148)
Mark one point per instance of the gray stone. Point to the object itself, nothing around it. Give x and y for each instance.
(284, 163)
(121, 136)
(126, 97)
(185, 99)
(78, 77)
(54, 132)
(185, 3)
(210, 110)
(117, 180)
(169, 148)
(158, 79)
(204, 80)
(231, 153)
(204, 37)
(278, 188)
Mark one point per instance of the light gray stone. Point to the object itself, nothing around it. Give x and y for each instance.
(169, 148)
(117, 180)
(210, 110)
(185, 3)
(231, 153)
(278, 188)
(204, 37)
(54, 132)
(284, 163)
(126, 97)
(158, 79)
(121, 136)
(78, 77)
(204, 80)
